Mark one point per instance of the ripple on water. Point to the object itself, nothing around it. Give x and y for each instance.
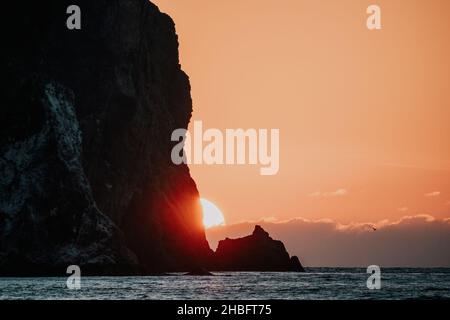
(317, 283)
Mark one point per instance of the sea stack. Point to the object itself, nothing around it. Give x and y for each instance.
(256, 252)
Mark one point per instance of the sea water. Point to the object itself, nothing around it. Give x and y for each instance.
(316, 283)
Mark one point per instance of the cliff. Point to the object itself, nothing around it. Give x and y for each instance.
(256, 252)
(85, 171)
(86, 176)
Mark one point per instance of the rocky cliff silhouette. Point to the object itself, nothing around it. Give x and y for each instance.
(86, 176)
(85, 171)
(256, 252)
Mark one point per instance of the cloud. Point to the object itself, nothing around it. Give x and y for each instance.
(338, 193)
(414, 241)
(403, 209)
(433, 194)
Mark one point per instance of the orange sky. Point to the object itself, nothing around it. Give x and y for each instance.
(365, 113)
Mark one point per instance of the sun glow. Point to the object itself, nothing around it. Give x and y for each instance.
(212, 216)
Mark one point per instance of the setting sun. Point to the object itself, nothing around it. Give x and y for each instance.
(212, 216)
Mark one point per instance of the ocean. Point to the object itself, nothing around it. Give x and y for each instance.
(316, 283)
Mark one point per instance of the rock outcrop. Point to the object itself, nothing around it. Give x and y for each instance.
(256, 252)
(86, 176)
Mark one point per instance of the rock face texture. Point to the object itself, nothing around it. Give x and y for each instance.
(256, 252)
(86, 119)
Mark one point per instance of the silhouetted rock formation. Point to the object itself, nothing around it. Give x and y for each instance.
(86, 176)
(256, 252)
(199, 272)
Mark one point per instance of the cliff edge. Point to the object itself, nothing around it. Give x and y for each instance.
(86, 176)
